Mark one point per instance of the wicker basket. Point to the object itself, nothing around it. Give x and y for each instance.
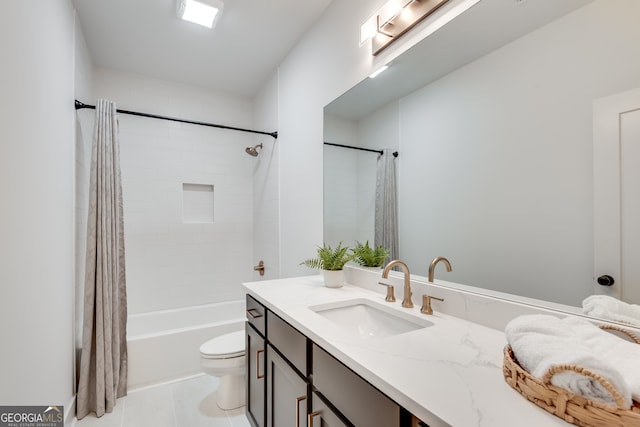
(572, 408)
(621, 331)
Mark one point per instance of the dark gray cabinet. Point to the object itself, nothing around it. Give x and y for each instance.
(357, 400)
(256, 384)
(292, 382)
(322, 415)
(287, 374)
(287, 393)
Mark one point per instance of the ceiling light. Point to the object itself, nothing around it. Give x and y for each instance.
(202, 12)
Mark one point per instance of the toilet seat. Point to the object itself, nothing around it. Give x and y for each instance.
(225, 346)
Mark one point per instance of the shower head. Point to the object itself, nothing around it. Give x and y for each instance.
(253, 151)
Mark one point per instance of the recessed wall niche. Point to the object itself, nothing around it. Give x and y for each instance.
(197, 203)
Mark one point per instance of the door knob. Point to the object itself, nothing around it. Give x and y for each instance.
(605, 280)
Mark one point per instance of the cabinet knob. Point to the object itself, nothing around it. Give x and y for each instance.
(605, 280)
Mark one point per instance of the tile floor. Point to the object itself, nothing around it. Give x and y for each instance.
(187, 403)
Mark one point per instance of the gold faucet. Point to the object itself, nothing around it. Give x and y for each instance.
(426, 304)
(435, 261)
(406, 301)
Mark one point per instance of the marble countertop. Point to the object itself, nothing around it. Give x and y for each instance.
(448, 374)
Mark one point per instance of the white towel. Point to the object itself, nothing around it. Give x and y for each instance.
(540, 342)
(609, 308)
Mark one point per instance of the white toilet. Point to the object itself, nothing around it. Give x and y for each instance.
(224, 357)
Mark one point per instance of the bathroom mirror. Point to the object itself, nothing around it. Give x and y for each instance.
(492, 116)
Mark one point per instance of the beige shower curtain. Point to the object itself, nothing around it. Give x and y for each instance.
(103, 364)
(385, 218)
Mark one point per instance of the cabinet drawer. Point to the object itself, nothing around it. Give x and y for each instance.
(360, 402)
(322, 415)
(291, 343)
(256, 315)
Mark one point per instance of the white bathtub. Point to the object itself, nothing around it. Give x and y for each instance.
(164, 345)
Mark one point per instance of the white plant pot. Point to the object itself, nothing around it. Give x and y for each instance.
(333, 278)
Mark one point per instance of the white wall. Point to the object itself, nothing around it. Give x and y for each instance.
(325, 63)
(349, 205)
(340, 183)
(36, 219)
(171, 263)
(379, 130)
(496, 157)
(83, 131)
(266, 193)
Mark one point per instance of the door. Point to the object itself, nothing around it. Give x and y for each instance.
(256, 402)
(286, 393)
(616, 160)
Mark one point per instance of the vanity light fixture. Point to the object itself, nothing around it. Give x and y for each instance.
(393, 19)
(202, 12)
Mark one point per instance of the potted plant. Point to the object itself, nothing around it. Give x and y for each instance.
(332, 262)
(366, 256)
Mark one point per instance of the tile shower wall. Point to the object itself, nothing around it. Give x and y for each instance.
(172, 262)
(266, 195)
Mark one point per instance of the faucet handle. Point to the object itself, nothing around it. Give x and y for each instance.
(426, 304)
(390, 296)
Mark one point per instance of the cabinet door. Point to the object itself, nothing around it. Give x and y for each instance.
(357, 400)
(256, 384)
(286, 393)
(322, 415)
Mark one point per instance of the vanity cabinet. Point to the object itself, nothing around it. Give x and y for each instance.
(359, 402)
(323, 415)
(289, 342)
(287, 393)
(256, 362)
(287, 374)
(292, 382)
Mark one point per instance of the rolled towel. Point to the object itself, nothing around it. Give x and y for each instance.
(609, 308)
(622, 354)
(540, 342)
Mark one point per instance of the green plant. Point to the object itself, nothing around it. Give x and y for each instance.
(329, 258)
(367, 256)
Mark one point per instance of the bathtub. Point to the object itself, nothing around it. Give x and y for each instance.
(164, 345)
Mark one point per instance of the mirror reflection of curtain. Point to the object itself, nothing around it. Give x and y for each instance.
(386, 210)
(103, 364)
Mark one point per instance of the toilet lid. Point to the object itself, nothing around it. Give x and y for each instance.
(224, 346)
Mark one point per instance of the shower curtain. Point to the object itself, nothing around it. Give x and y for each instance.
(103, 364)
(386, 221)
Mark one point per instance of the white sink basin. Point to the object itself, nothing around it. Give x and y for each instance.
(369, 319)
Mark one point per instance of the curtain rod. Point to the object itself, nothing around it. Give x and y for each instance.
(79, 105)
(395, 153)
